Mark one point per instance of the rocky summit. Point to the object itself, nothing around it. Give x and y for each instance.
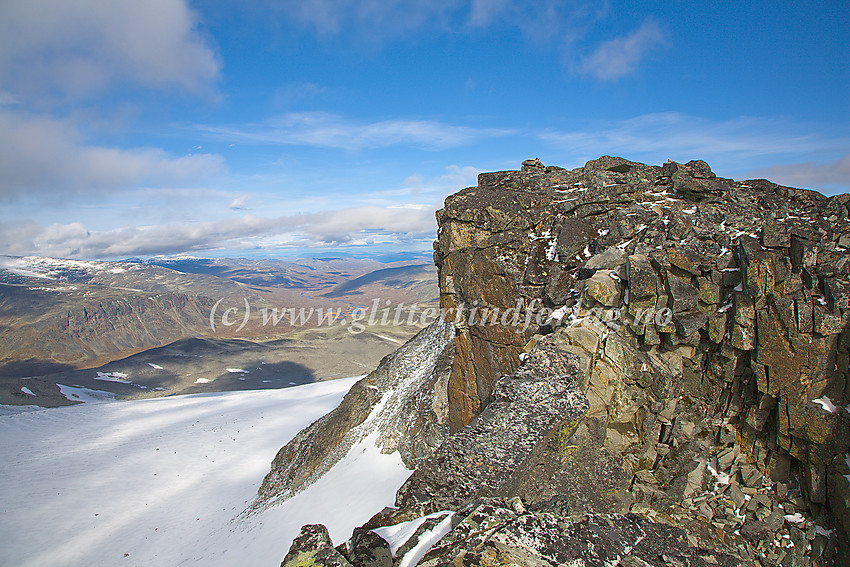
(645, 365)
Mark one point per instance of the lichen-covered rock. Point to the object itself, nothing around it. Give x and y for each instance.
(487, 457)
(605, 289)
(755, 284)
(368, 549)
(492, 533)
(313, 548)
(680, 352)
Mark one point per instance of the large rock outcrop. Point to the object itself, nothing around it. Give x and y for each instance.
(639, 345)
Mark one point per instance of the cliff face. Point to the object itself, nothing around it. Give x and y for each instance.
(698, 305)
(689, 238)
(647, 340)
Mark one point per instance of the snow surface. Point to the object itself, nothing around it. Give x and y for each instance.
(426, 541)
(156, 366)
(27, 391)
(397, 535)
(79, 394)
(14, 410)
(166, 480)
(120, 377)
(721, 477)
(826, 404)
(390, 339)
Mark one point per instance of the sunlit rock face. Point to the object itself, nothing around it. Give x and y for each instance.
(640, 354)
(710, 316)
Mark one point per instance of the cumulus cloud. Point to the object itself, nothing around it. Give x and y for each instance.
(348, 226)
(831, 174)
(621, 56)
(76, 49)
(320, 129)
(39, 154)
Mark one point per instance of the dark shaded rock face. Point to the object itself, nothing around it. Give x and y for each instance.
(525, 407)
(528, 235)
(531, 430)
(409, 384)
(650, 368)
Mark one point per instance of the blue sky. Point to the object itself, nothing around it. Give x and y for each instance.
(282, 128)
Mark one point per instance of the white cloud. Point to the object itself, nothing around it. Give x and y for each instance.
(540, 20)
(558, 24)
(483, 12)
(7, 99)
(319, 129)
(79, 48)
(375, 20)
(743, 147)
(621, 56)
(345, 225)
(457, 177)
(373, 17)
(239, 203)
(809, 174)
(671, 135)
(42, 155)
(348, 226)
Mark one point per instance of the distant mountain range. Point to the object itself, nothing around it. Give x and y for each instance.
(60, 316)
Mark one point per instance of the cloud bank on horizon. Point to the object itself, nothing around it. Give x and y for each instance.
(282, 128)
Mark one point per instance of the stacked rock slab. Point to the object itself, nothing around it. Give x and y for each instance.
(699, 304)
(643, 356)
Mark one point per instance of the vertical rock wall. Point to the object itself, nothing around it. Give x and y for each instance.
(710, 317)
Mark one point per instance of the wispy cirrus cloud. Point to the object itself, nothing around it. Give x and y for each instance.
(620, 57)
(733, 145)
(678, 136)
(47, 156)
(382, 19)
(834, 174)
(565, 25)
(342, 227)
(326, 130)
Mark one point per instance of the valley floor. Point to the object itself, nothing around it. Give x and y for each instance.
(164, 481)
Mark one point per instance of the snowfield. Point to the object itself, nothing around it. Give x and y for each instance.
(165, 481)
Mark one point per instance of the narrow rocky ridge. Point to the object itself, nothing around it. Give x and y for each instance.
(403, 400)
(676, 364)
